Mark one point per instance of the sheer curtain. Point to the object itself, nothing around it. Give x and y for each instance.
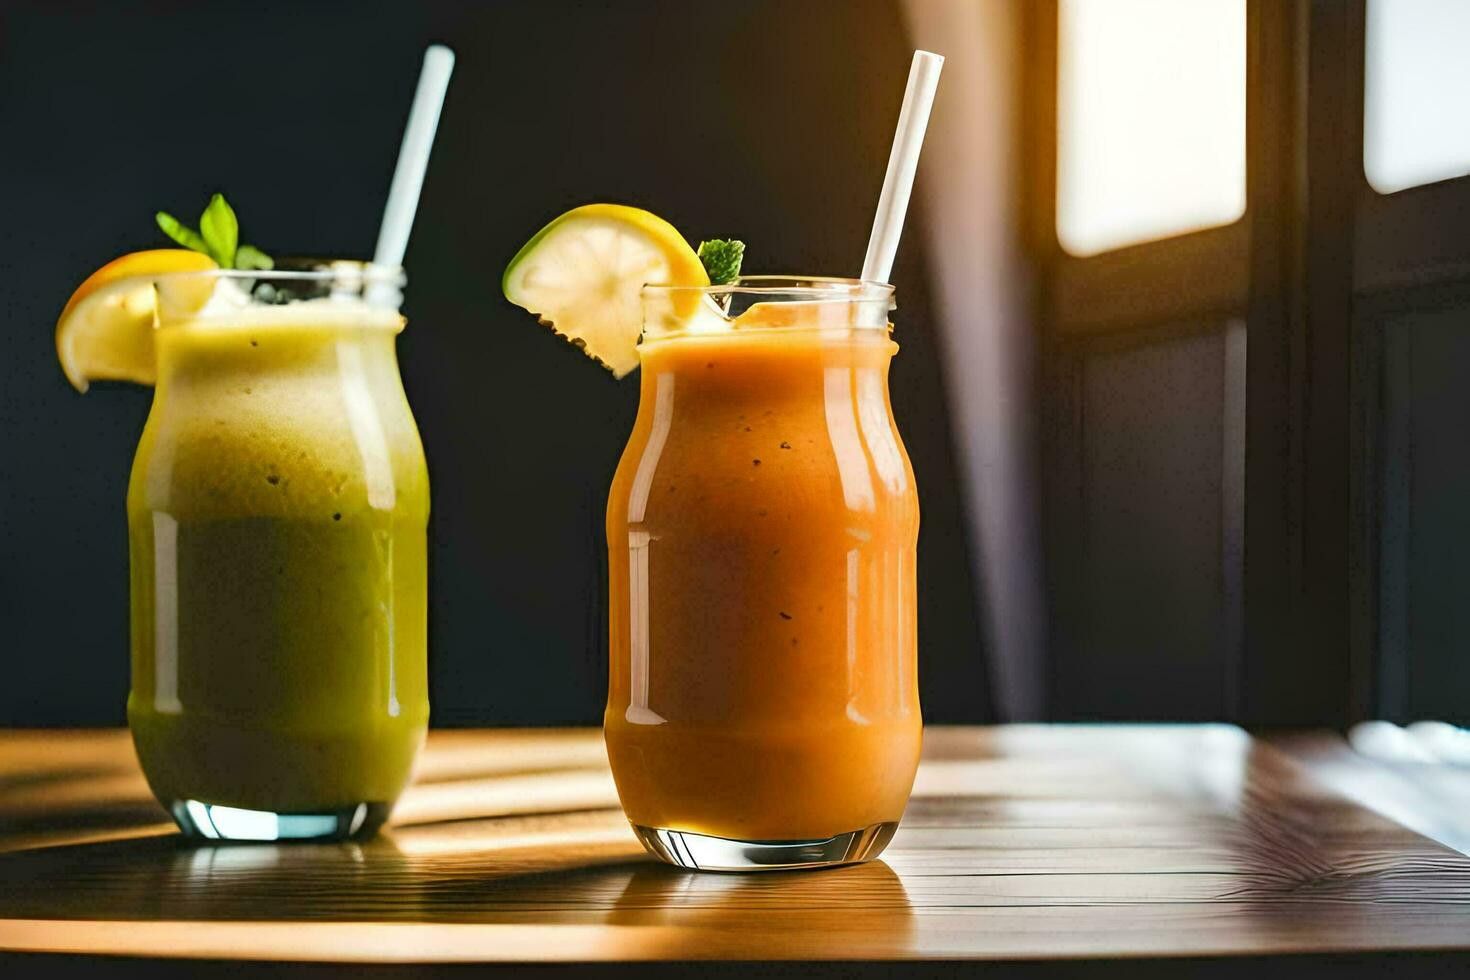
(969, 184)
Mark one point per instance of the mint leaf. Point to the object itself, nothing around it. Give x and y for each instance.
(220, 238)
(221, 231)
(721, 258)
(185, 236)
(250, 257)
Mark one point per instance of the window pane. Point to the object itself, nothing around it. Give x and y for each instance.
(1150, 119)
(1416, 106)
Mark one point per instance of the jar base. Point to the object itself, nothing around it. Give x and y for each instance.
(701, 852)
(209, 821)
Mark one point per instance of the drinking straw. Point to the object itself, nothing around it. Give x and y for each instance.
(413, 160)
(903, 161)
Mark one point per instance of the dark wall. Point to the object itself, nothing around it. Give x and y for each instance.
(1157, 454)
(767, 121)
(1424, 479)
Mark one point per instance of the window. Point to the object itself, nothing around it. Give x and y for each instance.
(1150, 119)
(1416, 106)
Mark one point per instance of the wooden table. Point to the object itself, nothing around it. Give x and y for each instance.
(1109, 851)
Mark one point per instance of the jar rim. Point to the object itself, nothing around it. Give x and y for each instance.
(804, 288)
(352, 271)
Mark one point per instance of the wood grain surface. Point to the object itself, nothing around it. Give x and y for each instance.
(1021, 844)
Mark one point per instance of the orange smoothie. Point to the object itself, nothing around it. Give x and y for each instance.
(762, 529)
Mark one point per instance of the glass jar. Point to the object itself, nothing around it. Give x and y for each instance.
(762, 527)
(277, 519)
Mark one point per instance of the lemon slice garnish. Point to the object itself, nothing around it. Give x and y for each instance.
(582, 275)
(105, 333)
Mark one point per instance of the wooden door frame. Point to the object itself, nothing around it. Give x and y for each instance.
(1410, 252)
(1118, 299)
(1314, 267)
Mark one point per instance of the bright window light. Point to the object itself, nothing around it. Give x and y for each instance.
(1416, 105)
(1150, 120)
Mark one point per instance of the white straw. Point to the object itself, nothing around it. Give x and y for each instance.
(903, 161)
(413, 157)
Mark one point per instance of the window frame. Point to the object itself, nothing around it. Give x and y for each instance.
(1137, 285)
(1410, 250)
(1315, 267)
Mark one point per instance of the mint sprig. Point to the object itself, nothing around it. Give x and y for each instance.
(218, 236)
(721, 258)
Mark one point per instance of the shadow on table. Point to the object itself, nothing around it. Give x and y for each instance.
(503, 828)
(576, 867)
(72, 787)
(465, 871)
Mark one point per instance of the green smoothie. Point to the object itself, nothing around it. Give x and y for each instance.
(276, 515)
